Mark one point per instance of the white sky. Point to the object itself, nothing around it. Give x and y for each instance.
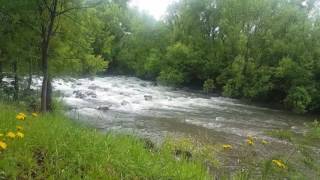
(156, 8)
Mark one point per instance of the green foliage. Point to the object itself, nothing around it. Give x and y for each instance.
(258, 50)
(208, 85)
(152, 65)
(264, 50)
(281, 134)
(314, 133)
(93, 64)
(298, 99)
(171, 77)
(234, 84)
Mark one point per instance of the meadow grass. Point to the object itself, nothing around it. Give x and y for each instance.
(54, 147)
(281, 134)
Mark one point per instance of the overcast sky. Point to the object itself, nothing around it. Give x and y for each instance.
(156, 8)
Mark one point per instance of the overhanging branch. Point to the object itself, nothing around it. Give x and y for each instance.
(77, 8)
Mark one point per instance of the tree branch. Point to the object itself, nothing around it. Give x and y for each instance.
(77, 8)
(46, 5)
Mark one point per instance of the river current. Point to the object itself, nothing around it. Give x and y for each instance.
(128, 104)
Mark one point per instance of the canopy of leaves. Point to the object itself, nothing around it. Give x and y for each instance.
(266, 50)
(262, 50)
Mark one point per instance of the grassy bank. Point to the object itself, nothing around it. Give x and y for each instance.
(54, 147)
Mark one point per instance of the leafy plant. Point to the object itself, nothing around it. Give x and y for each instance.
(208, 86)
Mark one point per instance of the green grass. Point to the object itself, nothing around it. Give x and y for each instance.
(56, 148)
(304, 162)
(314, 133)
(281, 134)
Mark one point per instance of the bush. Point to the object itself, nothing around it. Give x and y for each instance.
(298, 99)
(208, 86)
(171, 77)
(152, 65)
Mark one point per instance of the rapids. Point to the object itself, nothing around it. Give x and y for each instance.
(132, 105)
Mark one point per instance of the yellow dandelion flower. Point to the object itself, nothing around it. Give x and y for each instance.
(21, 117)
(20, 135)
(11, 135)
(19, 128)
(279, 164)
(250, 137)
(264, 142)
(34, 114)
(18, 117)
(3, 145)
(22, 114)
(227, 146)
(250, 142)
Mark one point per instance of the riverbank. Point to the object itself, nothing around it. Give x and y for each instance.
(54, 147)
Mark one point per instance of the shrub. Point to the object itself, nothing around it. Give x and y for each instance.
(298, 99)
(171, 77)
(208, 86)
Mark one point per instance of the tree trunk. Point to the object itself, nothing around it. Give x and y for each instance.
(47, 31)
(44, 88)
(1, 73)
(15, 82)
(49, 95)
(30, 75)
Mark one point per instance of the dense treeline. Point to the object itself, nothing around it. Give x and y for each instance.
(47, 38)
(261, 50)
(266, 50)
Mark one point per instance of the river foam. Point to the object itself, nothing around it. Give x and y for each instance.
(131, 103)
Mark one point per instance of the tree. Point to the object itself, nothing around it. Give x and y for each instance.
(52, 24)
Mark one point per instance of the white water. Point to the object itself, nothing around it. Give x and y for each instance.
(168, 110)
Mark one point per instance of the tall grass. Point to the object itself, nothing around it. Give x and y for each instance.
(56, 148)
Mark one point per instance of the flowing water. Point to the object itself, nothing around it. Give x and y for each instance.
(133, 105)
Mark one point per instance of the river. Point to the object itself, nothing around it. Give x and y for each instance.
(132, 105)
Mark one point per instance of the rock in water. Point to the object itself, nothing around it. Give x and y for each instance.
(124, 103)
(91, 94)
(82, 95)
(103, 108)
(147, 97)
(93, 87)
(79, 94)
(143, 84)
